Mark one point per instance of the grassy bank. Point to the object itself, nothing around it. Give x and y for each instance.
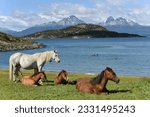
(129, 88)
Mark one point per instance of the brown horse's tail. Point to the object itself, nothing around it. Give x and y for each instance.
(73, 82)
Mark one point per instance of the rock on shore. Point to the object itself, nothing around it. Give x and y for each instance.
(9, 43)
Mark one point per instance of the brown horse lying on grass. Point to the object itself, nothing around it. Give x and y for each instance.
(98, 84)
(34, 79)
(62, 78)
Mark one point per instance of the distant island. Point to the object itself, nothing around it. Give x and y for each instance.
(9, 43)
(80, 31)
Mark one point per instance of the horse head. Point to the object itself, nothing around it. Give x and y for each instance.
(43, 77)
(63, 75)
(111, 75)
(55, 56)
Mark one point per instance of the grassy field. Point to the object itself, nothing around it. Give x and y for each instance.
(129, 88)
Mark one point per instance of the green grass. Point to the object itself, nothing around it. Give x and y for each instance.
(129, 88)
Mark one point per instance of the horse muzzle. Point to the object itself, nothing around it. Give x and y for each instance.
(117, 81)
(57, 60)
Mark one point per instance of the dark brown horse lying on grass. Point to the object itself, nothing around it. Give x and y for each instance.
(34, 79)
(98, 84)
(62, 78)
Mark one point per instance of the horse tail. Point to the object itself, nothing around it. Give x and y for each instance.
(10, 70)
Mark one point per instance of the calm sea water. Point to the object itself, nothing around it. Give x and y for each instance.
(127, 56)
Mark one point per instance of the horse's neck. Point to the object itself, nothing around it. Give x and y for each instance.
(103, 83)
(36, 78)
(48, 56)
(97, 79)
(45, 56)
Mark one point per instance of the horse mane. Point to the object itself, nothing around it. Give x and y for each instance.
(98, 78)
(37, 73)
(47, 55)
(63, 71)
(111, 70)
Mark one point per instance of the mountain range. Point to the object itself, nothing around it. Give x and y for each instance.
(110, 21)
(119, 24)
(65, 22)
(79, 31)
(127, 26)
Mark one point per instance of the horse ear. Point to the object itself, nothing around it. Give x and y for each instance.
(108, 68)
(102, 73)
(55, 51)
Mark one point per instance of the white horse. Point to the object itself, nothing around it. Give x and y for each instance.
(30, 61)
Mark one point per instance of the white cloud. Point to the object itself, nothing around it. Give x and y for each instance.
(20, 20)
(60, 11)
(133, 10)
(141, 15)
(12, 23)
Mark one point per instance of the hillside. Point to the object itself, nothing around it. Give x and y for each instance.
(8, 42)
(80, 31)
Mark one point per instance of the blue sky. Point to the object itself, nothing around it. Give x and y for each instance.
(34, 5)
(21, 14)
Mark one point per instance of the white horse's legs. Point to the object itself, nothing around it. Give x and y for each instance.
(16, 72)
(35, 71)
(40, 70)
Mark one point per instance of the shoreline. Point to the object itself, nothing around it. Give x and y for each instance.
(88, 74)
(30, 47)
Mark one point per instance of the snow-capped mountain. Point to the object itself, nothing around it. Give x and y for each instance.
(125, 26)
(118, 22)
(114, 24)
(70, 21)
(53, 23)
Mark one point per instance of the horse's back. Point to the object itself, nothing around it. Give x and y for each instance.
(28, 61)
(26, 80)
(15, 58)
(84, 85)
(83, 80)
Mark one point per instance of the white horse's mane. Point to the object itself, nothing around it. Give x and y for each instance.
(48, 56)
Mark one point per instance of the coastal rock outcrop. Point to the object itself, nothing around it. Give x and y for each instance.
(9, 43)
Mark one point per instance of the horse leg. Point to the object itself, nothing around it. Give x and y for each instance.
(20, 73)
(40, 68)
(18, 69)
(35, 71)
(16, 72)
(40, 82)
(105, 90)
